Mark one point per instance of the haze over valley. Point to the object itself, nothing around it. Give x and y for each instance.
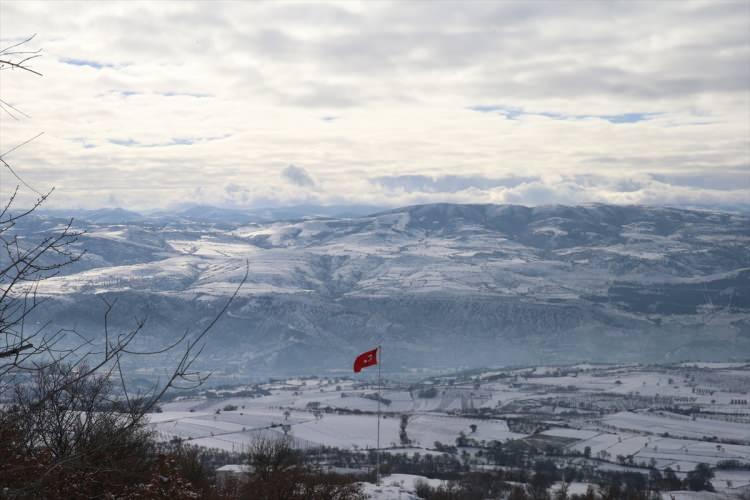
(441, 285)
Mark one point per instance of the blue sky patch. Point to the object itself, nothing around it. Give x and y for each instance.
(174, 141)
(124, 142)
(83, 142)
(197, 95)
(628, 117)
(512, 113)
(485, 108)
(85, 62)
(508, 112)
(181, 141)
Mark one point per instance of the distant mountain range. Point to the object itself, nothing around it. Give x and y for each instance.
(440, 285)
(208, 213)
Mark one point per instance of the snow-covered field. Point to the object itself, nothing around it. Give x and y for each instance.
(398, 487)
(631, 426)
(230, 430)
(611, 417)
(678, 425)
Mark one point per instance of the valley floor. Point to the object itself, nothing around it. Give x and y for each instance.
(608, 417)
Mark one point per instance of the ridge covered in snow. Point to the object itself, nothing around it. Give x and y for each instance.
(527, 283)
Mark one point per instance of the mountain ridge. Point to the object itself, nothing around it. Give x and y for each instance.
(551, 283)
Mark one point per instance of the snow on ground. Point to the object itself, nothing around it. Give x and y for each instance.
(693, 495)
(644, 383)
(241, 441)
(714, 364)
(397, 487)
(403, 487)
(426, 429)
(679, 454)
(413, 451)
(623, 444)
(574, 488)
(348, 431)
(729, 480)
(352, 431)
(678, 425)
(169, 416)
(618, 441)
(688, 453)
(571, 433)
(207, 246)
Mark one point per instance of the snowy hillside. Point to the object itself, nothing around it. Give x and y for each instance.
(438, 285)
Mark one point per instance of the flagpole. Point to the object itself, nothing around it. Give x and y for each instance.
(380, 390)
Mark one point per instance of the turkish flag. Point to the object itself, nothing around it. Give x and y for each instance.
(369, 358)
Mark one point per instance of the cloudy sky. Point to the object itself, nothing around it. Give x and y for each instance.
(149, 105)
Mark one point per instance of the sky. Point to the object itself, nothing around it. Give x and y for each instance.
(158, 105)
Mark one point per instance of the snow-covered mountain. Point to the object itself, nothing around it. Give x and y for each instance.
(437, 285)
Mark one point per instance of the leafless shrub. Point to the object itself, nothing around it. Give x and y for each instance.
(280, 472)
(70, 426)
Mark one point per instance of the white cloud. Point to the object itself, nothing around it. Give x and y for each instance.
(147, 104)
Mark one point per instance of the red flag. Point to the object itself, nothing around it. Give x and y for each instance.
(369, 358)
